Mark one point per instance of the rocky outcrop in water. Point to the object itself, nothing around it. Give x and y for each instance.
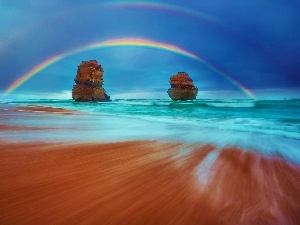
(89, 81)
(182, 87)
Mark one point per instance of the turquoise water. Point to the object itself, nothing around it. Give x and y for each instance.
(266, 126)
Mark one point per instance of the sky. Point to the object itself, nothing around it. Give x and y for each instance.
(231, 49)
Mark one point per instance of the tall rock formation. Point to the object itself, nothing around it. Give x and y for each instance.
(89, 81)
(182, 87)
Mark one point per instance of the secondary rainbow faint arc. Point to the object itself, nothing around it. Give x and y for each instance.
(157, 5)
(122, 42)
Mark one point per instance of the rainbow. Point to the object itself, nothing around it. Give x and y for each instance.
(114, 4)
(123, 42)
(159, 6)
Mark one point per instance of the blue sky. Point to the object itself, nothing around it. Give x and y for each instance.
(257, 43)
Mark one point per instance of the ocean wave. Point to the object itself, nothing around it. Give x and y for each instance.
(233, 104)
(187, 104)
(281, 118)
(264, 104)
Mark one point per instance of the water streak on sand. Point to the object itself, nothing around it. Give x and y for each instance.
(5, 127)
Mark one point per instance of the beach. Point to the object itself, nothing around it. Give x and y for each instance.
(142, 181)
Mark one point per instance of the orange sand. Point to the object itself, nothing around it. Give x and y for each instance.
(145, 182)
(37, 108)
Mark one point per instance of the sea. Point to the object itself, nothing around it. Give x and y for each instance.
(269, 127)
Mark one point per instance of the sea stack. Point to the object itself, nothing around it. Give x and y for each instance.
(89, 81)
(182, 87)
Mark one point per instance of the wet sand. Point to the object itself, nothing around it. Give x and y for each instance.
(31, 109)
(144, 182)
(6, 127)
(37, 108)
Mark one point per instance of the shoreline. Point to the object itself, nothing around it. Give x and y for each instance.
(139, 182)
(48, 123)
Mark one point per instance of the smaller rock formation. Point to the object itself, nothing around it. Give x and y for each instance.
(182, 87)
(89, 81)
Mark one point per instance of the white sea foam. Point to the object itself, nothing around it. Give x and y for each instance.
(264, 126)
(232, 104)
(204, 169)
